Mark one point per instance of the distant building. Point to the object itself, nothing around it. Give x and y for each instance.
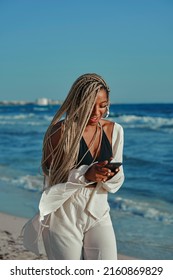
(42, 101)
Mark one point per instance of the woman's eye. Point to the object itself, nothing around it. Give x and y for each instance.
(103, 106)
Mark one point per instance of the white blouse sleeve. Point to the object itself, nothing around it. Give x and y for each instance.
(78, 175)
(52, 198)
(117, 180)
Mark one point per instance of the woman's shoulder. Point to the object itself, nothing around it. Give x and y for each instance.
(112, 129)
(109, 125)
(56, 132)
(57, 126)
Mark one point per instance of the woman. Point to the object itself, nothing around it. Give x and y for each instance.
(73, 208)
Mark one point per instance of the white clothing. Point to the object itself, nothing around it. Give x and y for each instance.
(55, 197)
(74, 234)
(52, 198)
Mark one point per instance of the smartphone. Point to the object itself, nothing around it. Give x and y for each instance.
(113, 165)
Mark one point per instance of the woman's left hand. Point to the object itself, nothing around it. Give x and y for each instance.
(99, 173)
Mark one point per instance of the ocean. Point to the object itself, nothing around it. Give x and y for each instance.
(141, 211)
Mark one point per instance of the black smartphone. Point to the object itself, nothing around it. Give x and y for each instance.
(113, 165)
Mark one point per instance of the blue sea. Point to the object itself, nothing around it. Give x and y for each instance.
(141, 211)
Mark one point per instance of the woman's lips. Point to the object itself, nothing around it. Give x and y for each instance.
(94, 119)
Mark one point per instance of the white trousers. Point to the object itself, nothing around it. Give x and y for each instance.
(74, 234)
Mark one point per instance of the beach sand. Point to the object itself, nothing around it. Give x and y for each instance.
(11, 245)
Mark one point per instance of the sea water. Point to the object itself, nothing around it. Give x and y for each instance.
(141, 211)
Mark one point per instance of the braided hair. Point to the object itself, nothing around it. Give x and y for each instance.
(77, 108)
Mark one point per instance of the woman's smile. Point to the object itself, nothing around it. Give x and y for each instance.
(93, 119)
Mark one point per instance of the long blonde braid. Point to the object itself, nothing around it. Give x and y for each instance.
(77, 108)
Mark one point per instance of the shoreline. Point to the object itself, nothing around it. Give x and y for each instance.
(11, 245)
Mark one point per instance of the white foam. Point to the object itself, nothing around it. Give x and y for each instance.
(17, 117)
(145, 121)
(28, 182)
(142, 209)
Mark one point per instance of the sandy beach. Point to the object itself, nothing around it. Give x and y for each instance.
(11, 245)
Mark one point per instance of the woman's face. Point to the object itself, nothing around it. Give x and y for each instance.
(100, 107)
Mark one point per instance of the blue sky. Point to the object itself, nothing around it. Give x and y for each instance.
(46, 44)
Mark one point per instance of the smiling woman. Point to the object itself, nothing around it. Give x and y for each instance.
(74, 212)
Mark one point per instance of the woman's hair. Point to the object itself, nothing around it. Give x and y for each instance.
(77, 109)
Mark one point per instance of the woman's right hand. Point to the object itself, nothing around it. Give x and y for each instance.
(99, 173)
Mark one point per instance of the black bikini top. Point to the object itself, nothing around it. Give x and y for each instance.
(105, 151)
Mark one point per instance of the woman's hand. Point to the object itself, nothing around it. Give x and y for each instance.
(99, 173)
